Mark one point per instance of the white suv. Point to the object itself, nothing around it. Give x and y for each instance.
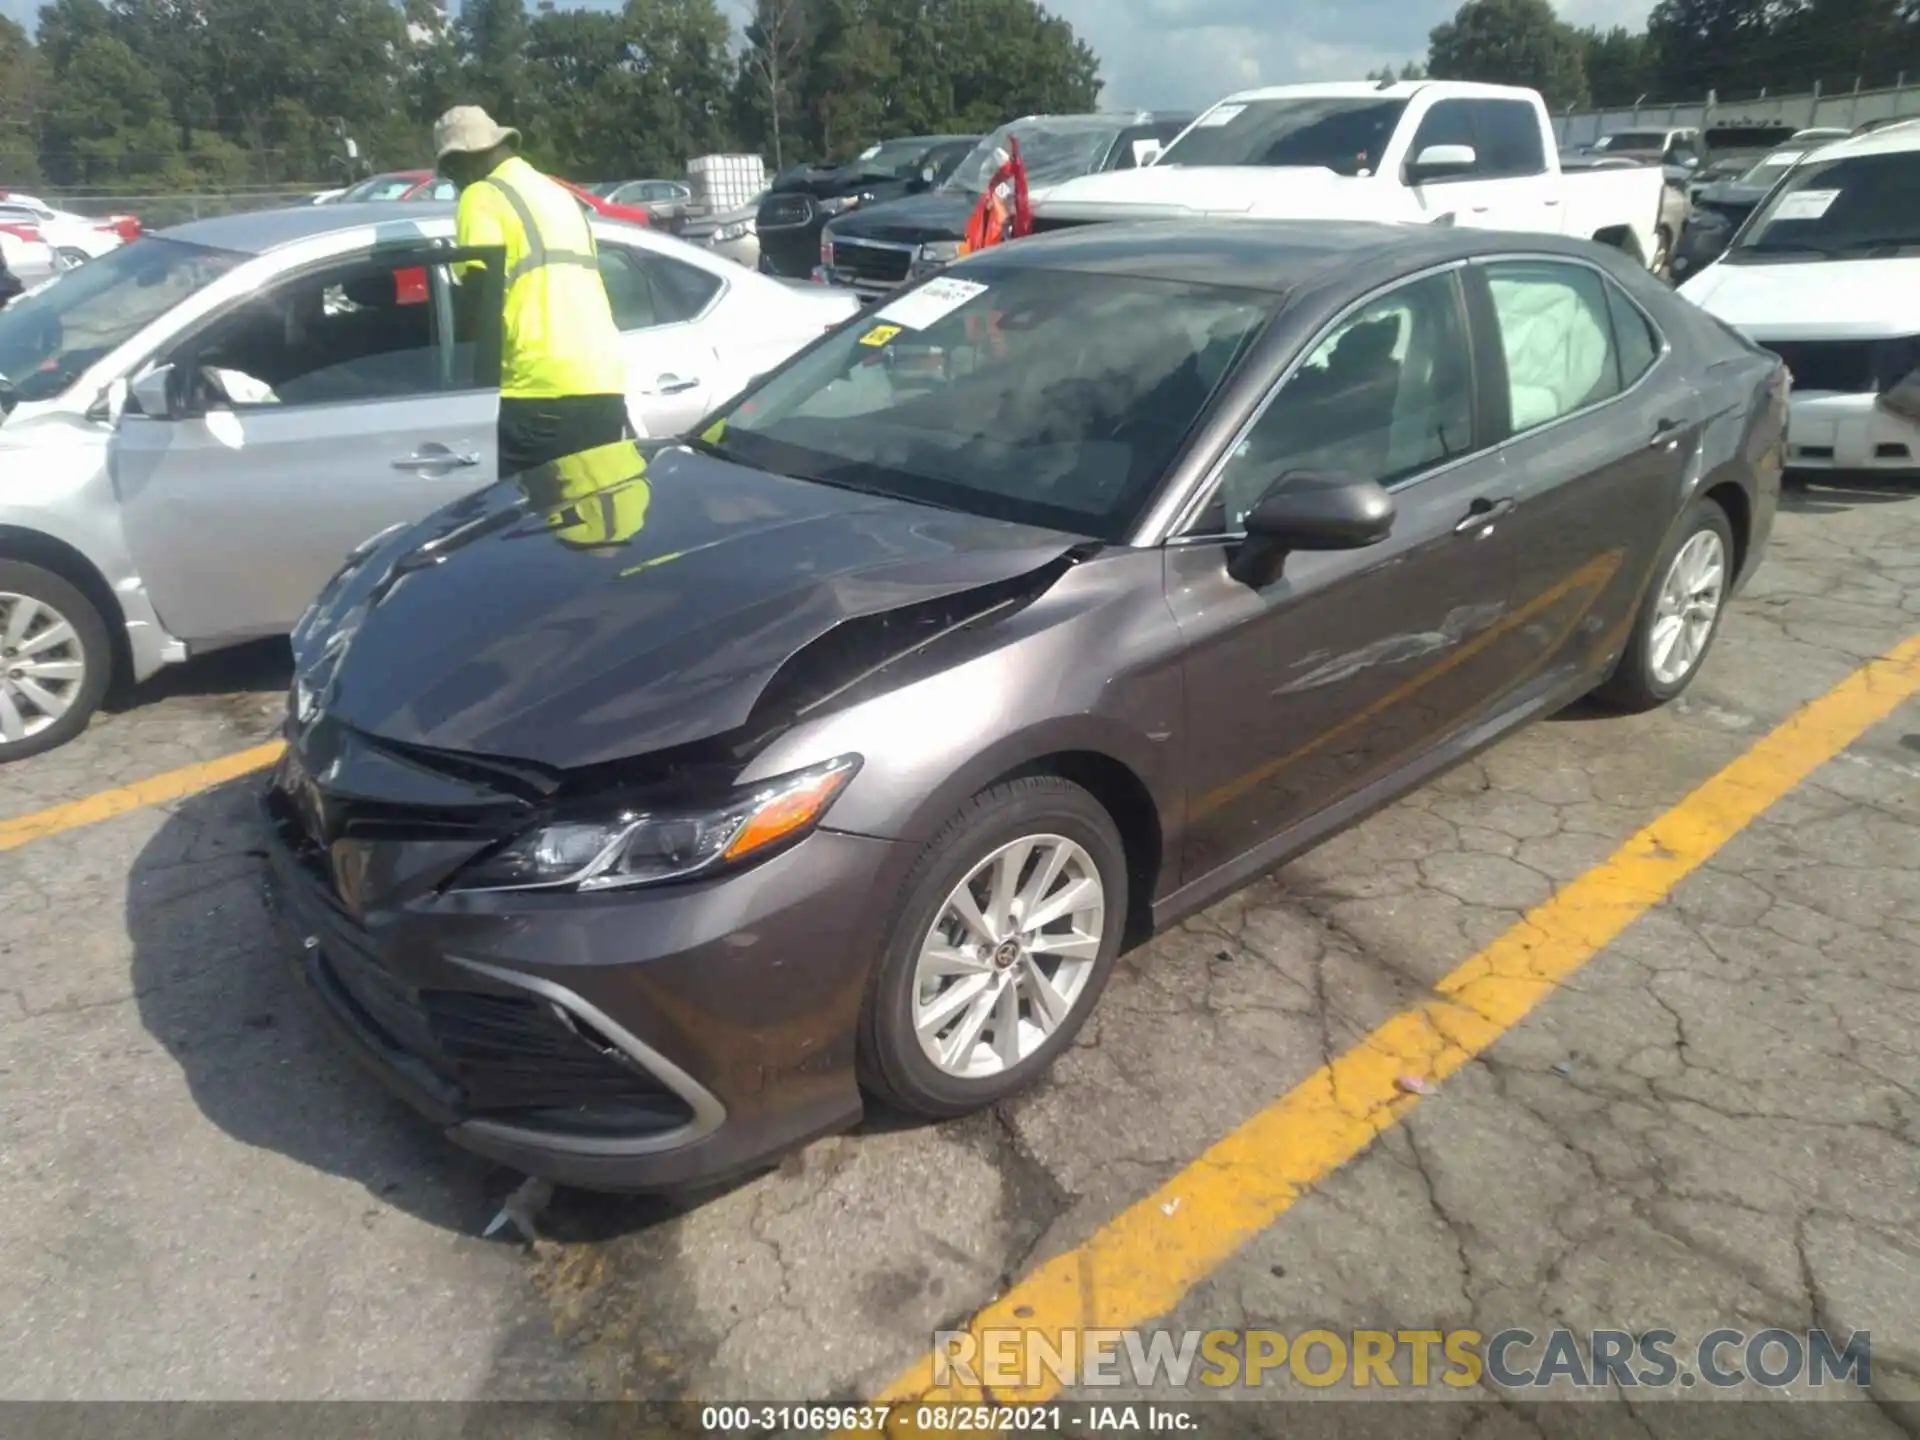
(1826, 273)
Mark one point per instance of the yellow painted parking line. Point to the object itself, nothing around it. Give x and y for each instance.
(1142, 1263)
(154, 790)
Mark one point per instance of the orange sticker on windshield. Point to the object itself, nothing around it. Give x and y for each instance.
(879, 335)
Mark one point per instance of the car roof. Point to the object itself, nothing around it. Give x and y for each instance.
(1273, 255)
(255, 232)
(1371, 89)
(1891, 140)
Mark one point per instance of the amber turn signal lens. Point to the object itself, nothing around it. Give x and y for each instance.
(789, 810)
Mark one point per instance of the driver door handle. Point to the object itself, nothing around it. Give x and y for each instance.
(1666, 435)
(674, 385)
(1483, 513)
(436, 458)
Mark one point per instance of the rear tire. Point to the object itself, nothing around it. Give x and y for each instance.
(74, 258)
(973, 1001)
(1679, 616)
(55, 660)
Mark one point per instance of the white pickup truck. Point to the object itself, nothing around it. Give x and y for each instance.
(1419, 152)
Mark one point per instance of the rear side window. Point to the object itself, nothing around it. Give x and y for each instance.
(1633, 337)
(645, 290)
(1509, 139)
(1556, 334)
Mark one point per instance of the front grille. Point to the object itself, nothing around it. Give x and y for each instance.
(517, 1057)
(873, 263)
(1848, 367)
(782, 211)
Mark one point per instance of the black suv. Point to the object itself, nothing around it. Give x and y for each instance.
(884, 246)
(802, 200)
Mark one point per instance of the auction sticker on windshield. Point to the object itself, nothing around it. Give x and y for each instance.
(931, 303)
(1225, 115)
(879, 335)
(1806, 204)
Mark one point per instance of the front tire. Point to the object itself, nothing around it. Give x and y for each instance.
(1680, 615)
(55, 660)
(74, 258)
(1013, 918)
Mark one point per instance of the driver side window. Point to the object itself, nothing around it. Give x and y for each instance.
(1385, 394)
(361, 332)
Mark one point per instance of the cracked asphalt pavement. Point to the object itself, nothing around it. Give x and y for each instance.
(1714, 1123)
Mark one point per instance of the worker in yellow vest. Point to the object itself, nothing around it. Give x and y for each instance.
(562, 380)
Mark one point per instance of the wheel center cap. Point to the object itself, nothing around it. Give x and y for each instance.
(1005, 953)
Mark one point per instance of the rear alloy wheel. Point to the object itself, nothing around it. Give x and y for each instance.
(74, 258)
(1012, 924)
(1679, 616)
(54, 660)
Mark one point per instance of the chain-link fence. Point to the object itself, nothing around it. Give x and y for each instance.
(159, 210)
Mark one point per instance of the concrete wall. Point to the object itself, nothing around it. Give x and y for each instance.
(1802, 111)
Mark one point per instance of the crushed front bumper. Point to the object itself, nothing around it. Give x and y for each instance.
(650, 1040)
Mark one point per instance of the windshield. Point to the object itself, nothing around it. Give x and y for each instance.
(1771, 169)
(1344, 134)
(1635, 142)
(1861, 206)
(48, 338)
(1054, 148)
(890, 160)
(1045, 397)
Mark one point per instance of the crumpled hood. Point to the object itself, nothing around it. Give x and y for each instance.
(1285, 192)
(502, 626)
(1813, 299)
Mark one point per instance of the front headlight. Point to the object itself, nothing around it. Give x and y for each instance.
(739, 230)
(840, 204)
(940, 252)
(633, 848)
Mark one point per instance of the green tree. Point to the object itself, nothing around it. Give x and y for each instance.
(493, 38)
(106, 121)
(1387, 75)
(1621, 65)
(1711, 44)
(1511, 42)
(773, 70)
(20, 93)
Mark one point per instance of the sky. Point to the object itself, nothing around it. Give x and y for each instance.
(1184, 54)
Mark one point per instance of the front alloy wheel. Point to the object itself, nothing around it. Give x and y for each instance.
(1009, 956)
(54, 660)
(1011, 922)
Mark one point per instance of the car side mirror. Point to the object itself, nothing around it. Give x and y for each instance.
(1437, 162)
(1310, 510)
(156, 393)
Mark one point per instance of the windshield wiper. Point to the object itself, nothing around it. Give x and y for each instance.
(1876, 249)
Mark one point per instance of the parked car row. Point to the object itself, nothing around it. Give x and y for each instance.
(1050, 601)
(1052, 592)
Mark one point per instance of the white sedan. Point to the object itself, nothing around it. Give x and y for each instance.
(75, 238)
(207, 420)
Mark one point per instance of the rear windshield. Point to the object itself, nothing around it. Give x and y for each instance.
(1047, 397)
(1635, 142)
(1343, 134)
(1860, 207)
(1053, 149)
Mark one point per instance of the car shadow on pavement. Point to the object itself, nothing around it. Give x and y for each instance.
(1838, 491)
(217, 990)
(262, 667)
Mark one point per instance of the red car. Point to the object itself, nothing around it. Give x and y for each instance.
(425, 185)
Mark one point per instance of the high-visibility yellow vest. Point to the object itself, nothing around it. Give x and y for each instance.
(559, 337)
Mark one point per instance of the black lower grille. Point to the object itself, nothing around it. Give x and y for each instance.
(875, 263)
(1849, 367)
(516, 1057)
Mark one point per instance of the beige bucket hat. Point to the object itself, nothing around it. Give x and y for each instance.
(468, 129)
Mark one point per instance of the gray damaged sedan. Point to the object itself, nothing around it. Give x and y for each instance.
(643, 818)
